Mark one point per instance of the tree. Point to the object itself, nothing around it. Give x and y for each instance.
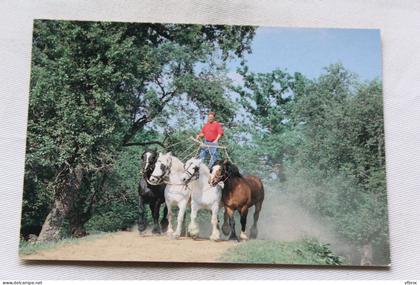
(341, 159)
(94, 88)
(267, 98)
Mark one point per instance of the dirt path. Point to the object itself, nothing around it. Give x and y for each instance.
(130, 246)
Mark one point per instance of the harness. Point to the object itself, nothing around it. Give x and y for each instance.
(224, 180)
(166, 173)
(194, 175)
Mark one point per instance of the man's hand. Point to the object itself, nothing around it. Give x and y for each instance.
(199, 136)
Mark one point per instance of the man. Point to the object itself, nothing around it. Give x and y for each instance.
(211, 131)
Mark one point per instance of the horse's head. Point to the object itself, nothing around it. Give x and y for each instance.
(217, 172)
(148, 159)
(221, 171)
(191, 170)
(162, 168)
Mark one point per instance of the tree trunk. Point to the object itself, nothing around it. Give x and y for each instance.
(84, 203)
(67, 185)
(51, 228)
(78, 217)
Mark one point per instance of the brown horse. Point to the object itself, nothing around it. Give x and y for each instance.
(239, 193)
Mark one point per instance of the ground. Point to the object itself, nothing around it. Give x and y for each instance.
(130, 246)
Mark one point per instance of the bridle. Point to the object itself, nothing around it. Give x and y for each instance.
(220, 177)
(166, 170)
(194, 175)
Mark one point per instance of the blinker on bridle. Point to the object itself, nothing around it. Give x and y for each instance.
(191, 175)
(165, 171)
(219, 177)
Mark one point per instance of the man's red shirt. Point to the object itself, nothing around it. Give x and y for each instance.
(212, 130)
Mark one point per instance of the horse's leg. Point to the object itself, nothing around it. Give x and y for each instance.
(193, 227)
(141, 223)
(164, 221)
(244, 214)
(155, 207)
(230, 213)
(170, 230)
(225, 227)
(254, 230)
(215, 235)
(181, 206)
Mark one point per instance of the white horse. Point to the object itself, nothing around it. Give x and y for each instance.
(203, 195)
(169, 169)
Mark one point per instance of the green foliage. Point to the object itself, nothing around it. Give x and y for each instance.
(118, 209)
(278, 252)
(96, 86)
(327, 146)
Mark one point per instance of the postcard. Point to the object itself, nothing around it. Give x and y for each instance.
(160, 142)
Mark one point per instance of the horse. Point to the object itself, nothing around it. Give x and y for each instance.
(152, 194)
(204, 196)
(239, 193)
(169, 168)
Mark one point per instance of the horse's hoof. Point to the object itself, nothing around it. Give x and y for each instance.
(253, 234)
(193, 232)
(226, 229)
(194, 236)
(141, 228)
(175, 236)
(156, 232)
(214, 238)
(243, 236)
(234, 238)
(164, 225)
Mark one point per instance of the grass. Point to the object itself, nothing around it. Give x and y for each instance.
(26, 248)
(307, 251)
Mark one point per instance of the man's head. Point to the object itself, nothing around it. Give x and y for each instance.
(211, 117)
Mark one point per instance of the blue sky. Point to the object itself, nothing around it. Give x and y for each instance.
(310, 50)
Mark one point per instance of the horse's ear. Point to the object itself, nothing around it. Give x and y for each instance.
(225, 161)
(169, 153)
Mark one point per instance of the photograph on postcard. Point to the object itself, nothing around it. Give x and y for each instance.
(163, 142)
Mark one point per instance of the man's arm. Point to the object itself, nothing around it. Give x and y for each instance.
(199, 135)
(219, 132)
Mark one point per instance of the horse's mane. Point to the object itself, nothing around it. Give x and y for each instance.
(232, 170)
(177, 164)
(205, 168)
